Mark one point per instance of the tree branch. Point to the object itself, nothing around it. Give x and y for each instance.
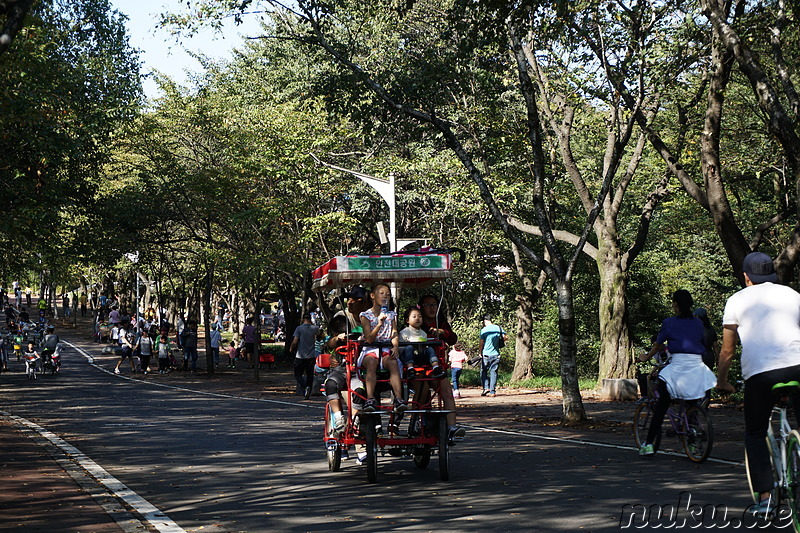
(561, 235)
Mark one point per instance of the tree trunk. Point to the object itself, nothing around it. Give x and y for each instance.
(572, 404)
(526, 300)
(615, 340)
(523, 345)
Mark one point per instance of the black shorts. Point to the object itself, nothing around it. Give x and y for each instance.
(250, 347)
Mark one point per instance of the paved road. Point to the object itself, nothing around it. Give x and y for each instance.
(221, 463)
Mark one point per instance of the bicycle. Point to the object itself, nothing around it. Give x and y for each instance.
(690, 423)
(784, 450)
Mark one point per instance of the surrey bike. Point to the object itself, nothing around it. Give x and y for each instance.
(421, 432)
(689, 422)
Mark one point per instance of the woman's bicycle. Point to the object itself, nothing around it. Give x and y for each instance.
(689, 422)
(784, 451)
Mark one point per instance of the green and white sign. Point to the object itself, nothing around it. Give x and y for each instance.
(432, 262)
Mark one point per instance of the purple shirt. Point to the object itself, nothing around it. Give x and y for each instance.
(249, 333)
(682, 335)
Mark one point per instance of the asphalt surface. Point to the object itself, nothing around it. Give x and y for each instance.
(226, 454)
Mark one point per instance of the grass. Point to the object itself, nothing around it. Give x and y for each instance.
(472, 377)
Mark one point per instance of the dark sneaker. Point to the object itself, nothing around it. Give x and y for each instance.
(438, 372)
(455, 434)
(307, 393)
(410, 373)
(400, 405)
(369, 406)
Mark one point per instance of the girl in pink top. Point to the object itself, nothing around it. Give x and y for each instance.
(457, 356)
(232, 355)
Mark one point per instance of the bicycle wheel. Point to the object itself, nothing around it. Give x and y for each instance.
(422, 456)
(699, 437)
(371, 438)
(641, 423)
(334, 452)
(444, 450)
(773, 451)
(793, 477)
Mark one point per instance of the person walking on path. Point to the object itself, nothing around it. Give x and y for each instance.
(180, 327)
(249, 338)
(127, 342)
(82, 300)
(304, 348)
(163, 351)
(42, 304)
(190, 345)
(114, 317)
(457, 358)
(492, 339)
(215, 337)
(145, 350)
(765, 317)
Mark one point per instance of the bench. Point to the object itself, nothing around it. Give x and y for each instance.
(267, 358)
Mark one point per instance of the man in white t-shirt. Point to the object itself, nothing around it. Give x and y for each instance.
(765, 317)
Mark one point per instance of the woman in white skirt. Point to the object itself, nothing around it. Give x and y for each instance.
(686, 376)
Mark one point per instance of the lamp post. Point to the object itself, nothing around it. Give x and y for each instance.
(385, 188)
(134, 258)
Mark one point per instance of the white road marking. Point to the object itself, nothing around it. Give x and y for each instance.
(149, 513)
(589, 443)
(473, 428)
(90, 358)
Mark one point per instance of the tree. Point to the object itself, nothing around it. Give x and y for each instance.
(764, 24)
(67, 86)
(322, 25)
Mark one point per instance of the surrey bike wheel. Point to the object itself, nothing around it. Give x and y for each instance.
(371, 443)
(422, 456)
(444, 450)
(793, 478)
(421, 452)
(699, 438)
(334, 450)
(642, 418)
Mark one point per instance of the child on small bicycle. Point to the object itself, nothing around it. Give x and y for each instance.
(380, 325)
(413, 333)
(31, 356)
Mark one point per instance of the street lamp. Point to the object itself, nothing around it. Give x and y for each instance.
(385, 188)
(134, 258)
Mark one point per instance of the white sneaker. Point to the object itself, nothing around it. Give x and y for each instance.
(456, 395)
(116, 370)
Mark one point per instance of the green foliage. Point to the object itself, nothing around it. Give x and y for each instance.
(70, 78)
